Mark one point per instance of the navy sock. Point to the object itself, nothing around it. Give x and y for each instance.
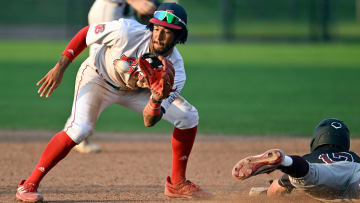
(299, 167)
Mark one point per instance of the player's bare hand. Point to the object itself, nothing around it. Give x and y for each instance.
(53, 78)
(143, 7)
(275, 189)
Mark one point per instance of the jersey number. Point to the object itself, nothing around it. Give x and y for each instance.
(335, 157)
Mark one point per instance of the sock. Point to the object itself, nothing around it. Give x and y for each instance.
(299, 167)
(57, 148)
(182, 142)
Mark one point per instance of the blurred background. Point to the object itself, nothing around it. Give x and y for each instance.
(282, 20)
(254, 67)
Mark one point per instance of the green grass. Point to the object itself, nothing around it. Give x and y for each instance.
(252, 19)
(269, 19)
(238, 88)
(273, 29)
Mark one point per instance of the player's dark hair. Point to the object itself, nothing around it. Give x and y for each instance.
(180, 35)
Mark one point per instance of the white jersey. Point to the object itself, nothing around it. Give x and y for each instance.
(126, 39)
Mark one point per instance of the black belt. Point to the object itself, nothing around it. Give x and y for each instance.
(107, 82)
(113, 86)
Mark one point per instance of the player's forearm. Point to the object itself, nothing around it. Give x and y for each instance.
(152, 113)
(150, 121)
(63, 63)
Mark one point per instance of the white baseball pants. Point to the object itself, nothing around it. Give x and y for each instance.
(92, 95)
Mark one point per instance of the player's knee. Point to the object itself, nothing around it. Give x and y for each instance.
(187, 119)
(79, 133)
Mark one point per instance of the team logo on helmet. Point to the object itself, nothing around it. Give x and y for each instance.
(336, 125)
(170, 11)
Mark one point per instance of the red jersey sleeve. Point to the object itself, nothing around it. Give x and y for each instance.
(76, 45)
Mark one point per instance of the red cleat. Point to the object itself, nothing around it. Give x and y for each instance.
(185, 189)
(28, 192)
(254, 165)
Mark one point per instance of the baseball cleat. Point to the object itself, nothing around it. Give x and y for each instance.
(85, 147)
(185, 189)
(254, 165)
(28, 192)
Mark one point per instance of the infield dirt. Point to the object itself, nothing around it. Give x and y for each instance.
(133, 167)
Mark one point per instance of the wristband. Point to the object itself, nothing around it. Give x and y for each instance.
(155, 101)
(152, 108)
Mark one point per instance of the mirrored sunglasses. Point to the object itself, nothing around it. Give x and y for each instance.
(170, 17)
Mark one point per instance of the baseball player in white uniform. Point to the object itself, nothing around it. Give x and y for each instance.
(106, 11)
(103, 79)
(330, 172)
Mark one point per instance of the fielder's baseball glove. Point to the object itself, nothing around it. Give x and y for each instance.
(158, 73)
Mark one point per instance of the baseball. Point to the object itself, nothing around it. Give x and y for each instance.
(121, 66)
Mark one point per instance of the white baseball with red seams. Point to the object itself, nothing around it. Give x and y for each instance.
(121, 66)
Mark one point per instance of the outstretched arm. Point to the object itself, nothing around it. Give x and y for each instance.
(54, 77)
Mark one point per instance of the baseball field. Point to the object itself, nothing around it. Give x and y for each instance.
(133, 167)
(250, 97)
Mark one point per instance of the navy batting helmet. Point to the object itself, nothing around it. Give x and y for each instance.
(172, 16)
(331, 131)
